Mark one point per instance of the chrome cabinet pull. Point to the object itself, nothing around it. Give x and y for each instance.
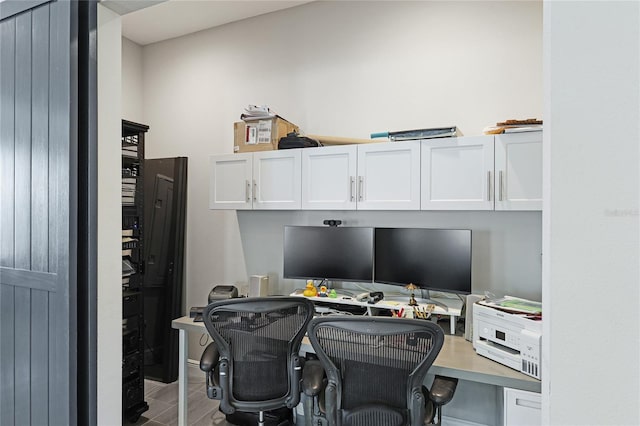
(500, 184)
(489, 185)
(360, 188)
(247, 190)
(352, 189)
(255, 185)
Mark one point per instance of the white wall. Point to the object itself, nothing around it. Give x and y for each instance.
(132, 83)
(336, 68)
(109, 304)
(591, 223)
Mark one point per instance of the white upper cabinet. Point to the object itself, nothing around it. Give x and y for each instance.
(230, 182)
(260, 180)
(457, 173)
(388, 176)
(466, 173)
(329, 178)
(518, 168)
(276, 180)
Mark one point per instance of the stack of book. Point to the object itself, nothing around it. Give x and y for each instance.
(128, 191)
(128, 244)
(130, 151)
(514, 126)
(130, 146)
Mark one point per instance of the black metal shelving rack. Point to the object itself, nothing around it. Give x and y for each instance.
(133, 403)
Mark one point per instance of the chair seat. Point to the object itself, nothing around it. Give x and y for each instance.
(378, 414)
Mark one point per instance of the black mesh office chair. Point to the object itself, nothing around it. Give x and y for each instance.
(252, 365)
(375, 368)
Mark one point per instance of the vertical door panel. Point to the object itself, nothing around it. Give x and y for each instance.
(37, 328)
(519, 171)
(230, 184)
(457, 173)
(276, 180)
(389, 176)
(329, 178)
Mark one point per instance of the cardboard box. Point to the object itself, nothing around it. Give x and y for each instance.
(260, 135)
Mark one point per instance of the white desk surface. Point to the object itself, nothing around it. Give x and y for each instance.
(457, 358)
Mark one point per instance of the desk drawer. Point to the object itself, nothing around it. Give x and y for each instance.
(522, 408)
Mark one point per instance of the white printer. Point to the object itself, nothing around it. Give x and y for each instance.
(511, 339)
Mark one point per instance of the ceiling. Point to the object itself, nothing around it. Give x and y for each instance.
(151, 21)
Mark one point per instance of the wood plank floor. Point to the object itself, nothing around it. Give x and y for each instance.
(163, 403)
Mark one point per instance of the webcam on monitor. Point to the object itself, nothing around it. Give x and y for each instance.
(332, 222)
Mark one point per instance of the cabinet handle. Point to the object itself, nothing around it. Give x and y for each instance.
(500, 184)
(247, 191)
(489, 185)
(520, 402)
(352, 188)
(255, 185)
(360, 188)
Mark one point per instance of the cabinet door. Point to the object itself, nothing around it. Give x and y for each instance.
(389, 176)
(276, 180)
(519, 171)
(230, 182)
(329, 178)
(457, 173)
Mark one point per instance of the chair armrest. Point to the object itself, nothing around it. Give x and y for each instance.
(442, 390)
(210, 357)
(313, 381)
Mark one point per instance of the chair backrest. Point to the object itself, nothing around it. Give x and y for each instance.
(375, 367)
(258, 340)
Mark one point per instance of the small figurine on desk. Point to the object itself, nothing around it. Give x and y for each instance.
(310, 290)
(323, 291)
(412, 299)
(333, 294)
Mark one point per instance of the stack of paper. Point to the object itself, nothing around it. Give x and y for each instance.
(257, 112)
(515, 305)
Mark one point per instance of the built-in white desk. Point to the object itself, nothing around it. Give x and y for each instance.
(456, 359)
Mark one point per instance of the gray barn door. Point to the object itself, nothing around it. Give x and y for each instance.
(37, 214)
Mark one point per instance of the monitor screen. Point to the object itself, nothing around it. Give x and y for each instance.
(332, 253)
(436, 259)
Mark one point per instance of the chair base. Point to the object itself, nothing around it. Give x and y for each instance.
(279, 417)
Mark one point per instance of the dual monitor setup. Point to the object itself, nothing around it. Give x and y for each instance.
(431, 259)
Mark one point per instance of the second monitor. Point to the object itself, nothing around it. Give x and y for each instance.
(432, 259)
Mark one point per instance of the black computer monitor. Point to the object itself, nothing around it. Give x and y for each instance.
(432, 259)
(330, 252)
